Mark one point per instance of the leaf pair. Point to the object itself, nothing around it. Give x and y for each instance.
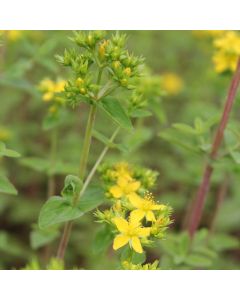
(4, 151)
(61, 209)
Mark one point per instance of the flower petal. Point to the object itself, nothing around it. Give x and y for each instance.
(144, 232)
(122, 182)
(135, 200)
(150, 216)
(120, 241)
(48, 96)
(136, 215)
(116, 191)
(122, 224)
(134, 186)
(136, 244)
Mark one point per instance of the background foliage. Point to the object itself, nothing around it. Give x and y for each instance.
(192, 94)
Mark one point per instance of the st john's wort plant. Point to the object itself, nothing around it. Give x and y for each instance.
(101, 67)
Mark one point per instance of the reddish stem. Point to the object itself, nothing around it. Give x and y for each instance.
(198, 204)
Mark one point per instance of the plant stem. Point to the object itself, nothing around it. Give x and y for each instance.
(97, 163)
(64, 240)
(68, 226)
(87, 141)
(82, 169)
(203, 189)
(51, 177)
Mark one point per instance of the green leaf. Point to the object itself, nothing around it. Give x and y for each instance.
(43, 165)
(53, 120)
(115, 110)
(231, 138)
(221, 242)
(174, 140)
(204, 250)
(141, 113)
(199, 126)
(10, 246)
(102, 138)
(92, 198)
(103, 239)
(40, 238)
(136, 139)
(6, 186)
(211, 121)
(7, 152)
(200, 238)
(122, 148)
(236, 156)
(183, 243)
(35, 163)
(198, 261)
(229, 215)
(184, 128)
(72, 187)
(132, 256)
(58, 209)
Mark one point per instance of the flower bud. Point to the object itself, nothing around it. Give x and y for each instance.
(79, 81)
(127, 71)
(124, 82)
(83, 91)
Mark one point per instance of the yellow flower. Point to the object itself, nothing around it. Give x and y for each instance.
(172, 83)
(59, 86)
(48, 96)
(124, 187)
(13, 35)
(229, 42)
(130, 232)
(228, 51)
(144, 207)
(224, 61)
(50, 88)
(123, 170)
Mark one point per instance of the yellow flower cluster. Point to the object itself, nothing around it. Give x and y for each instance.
(12, 35)
(137, 219)
(227, 52)
(51, 90)
(172, 83)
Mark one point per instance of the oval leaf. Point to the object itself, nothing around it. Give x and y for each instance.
(58, 210)
(6, 186)
(115, 110)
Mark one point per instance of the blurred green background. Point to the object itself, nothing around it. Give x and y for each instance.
(193, 90)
